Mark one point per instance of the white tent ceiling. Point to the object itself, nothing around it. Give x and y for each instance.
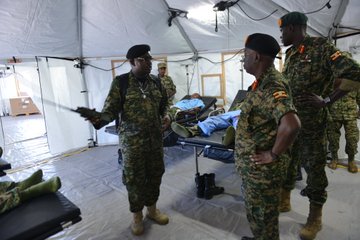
(107, 28)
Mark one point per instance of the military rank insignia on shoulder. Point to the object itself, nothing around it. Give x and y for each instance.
(280, 94)
(335, 55)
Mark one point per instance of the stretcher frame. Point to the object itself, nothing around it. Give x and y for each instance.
(214, 141)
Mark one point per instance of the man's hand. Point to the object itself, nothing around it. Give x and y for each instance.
(310, 99)
(262, 157)
(89, 114)
(166, 121)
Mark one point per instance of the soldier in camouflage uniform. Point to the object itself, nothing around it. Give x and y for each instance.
(266, 128)
(344, 112)
(167, 82)
(12, 194)
(140, 134)
(311, 64)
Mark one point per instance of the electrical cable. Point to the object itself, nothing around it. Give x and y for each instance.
(315, 11)
(256, 19)
(103, 69)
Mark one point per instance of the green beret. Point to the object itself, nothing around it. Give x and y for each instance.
(293, 18)
(263, 44)
(161, 65)
(137, 51)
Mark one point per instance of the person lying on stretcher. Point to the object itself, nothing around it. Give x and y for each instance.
(226, 121)
(12, 194)
(185, 107)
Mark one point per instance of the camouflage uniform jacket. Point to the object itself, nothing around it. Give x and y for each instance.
(140, 117)
(262, 110)
(311, 68)
(346, 108)
(169, 85)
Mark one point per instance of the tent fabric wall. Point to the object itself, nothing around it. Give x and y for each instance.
(98, 31)
(107, 28)
(62, 87)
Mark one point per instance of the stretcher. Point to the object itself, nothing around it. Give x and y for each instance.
(212, 147)
(39, 218)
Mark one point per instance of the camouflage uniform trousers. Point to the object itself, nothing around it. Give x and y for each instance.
(142, 172)
(351, 136)
(261, 188)
(9, 196)
(309, 149)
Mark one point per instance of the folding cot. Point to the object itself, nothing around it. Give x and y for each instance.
(212, 147)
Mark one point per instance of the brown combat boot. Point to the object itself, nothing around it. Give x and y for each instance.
(351, 164)
(313, 223)
(154, 214)
(352, 167)
(137, 226)
(285, 205)
(333, 164)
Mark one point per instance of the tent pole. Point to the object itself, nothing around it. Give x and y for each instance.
(339, 15)
(92, 132)
(182, 31)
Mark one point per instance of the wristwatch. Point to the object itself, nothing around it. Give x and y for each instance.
(327, 100)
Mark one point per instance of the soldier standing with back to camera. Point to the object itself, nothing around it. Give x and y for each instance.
(344, 113)
(140, 134)
(311, 64)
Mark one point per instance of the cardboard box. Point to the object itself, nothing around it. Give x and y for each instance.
(22, 106)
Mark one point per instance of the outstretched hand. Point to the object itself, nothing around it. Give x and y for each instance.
(310, 99)
(89, 114)
(165, 123)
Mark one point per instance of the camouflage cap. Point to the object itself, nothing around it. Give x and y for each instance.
(137, 51)
(293, 18)
(161, 65)
(263, 44)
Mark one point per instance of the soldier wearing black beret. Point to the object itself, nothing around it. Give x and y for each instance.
(137, 51)
(266, 128)
(140, 133)
(311, 64)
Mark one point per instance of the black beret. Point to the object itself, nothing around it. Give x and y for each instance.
(293, 18)
(263, 44)
(137, 51)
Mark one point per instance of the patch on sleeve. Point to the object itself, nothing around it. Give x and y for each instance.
(280, 94)
(335, 55)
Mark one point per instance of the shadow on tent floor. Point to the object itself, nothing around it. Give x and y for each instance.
(92, 180)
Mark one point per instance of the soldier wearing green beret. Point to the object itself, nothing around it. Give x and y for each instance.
(167, 82)
(140, 133)
(267, 126)
(311, 64)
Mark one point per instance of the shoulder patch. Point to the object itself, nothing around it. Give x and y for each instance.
(280, 94)
(335, 55)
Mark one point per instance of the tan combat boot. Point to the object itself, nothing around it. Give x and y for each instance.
(351, 164)
(155, 215)
(333, 164)
(137, 226)
(285, 205)
(313, 223)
